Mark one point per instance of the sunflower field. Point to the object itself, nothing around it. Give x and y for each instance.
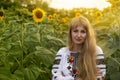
(31, 33)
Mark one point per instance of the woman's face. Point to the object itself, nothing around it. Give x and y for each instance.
(78, 35)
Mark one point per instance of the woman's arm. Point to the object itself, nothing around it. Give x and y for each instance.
(57, 73)
(101, 66)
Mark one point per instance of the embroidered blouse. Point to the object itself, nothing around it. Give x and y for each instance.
(64, 67)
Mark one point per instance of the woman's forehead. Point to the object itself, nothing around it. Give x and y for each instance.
(79, 26)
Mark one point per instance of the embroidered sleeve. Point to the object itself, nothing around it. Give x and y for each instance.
(57, 73)
(101, 61)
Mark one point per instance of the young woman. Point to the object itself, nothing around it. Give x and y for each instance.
(82, 59)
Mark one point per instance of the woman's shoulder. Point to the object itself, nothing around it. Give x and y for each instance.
(63, 50)
(99, 50)
(100, 54)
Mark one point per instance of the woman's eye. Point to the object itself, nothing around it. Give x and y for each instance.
(83, 31)
(75, 30)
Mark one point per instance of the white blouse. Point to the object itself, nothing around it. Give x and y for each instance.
(60, 69)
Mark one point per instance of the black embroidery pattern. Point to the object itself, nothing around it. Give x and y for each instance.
(100, 61)
(57, 61)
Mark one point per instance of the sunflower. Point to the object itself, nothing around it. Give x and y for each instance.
(50, 17)
(98, 15)
(77, 14)
(64, 20)
(54, 15)
(1, 15)
(38, 14)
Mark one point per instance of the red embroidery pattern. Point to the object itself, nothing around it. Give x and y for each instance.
(72, 64)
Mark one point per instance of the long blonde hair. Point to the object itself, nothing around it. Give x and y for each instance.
(87, 58)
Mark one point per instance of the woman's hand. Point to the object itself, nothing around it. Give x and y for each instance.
(99, 72)
(78, 79)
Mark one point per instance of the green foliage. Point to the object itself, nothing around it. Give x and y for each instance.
(109, 39)
(27, 49)
(110, 43)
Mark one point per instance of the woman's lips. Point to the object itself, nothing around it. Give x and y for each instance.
(78, 39)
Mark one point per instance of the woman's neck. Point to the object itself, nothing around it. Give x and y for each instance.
(77, 48)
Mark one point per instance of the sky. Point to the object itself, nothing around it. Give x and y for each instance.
(69, 4)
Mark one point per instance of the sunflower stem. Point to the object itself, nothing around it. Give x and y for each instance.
(39, 33)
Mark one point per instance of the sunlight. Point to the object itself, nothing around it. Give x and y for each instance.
(69, 4)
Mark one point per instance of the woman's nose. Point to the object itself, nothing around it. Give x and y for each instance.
(79, 34)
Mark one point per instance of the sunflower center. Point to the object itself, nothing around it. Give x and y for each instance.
(39, 14)
(98, 14)
(1, 13)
